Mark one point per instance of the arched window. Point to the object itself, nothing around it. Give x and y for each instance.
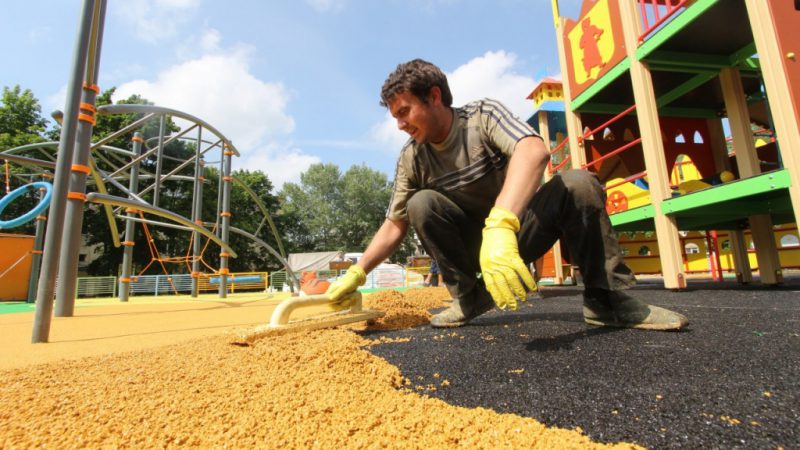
(644, 251)
(627, 135)
(692, 249)
(698, 138)
(790, 240)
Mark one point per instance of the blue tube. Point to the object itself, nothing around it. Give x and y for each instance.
(241, 279)
(30, 215)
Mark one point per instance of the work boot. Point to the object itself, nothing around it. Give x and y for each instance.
(622, 278)
(616, 309)
(461, 312)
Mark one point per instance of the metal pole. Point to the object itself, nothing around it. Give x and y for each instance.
(226, 220)
(71, 245)
(159, 159)
(36, 258)
(66, 146)
(220, 189)
(127, 256)
(197, 213)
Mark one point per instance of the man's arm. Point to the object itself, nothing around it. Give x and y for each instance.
(389, 236)
(384, 243)
(524, 174)
(506, 276)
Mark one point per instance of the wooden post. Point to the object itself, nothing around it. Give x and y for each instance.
(719, 150)
(669, 245)
(747, 161)
(544, 131)
(783, 91)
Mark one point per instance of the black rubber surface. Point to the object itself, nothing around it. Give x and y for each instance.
(730, 380)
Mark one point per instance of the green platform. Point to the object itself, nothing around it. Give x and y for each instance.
(722, 207)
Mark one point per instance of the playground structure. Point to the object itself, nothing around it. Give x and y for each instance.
(76, 163)
(650, 89)
(637, 73)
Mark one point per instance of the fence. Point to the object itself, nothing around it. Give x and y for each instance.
(156, 285)
(169, 284)
(388, 277)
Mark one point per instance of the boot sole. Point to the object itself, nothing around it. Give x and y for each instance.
(449, 325)
(672, 326)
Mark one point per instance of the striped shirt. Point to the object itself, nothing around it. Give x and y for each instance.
(469, 167)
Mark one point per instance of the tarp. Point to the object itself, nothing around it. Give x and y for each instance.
(301, 262)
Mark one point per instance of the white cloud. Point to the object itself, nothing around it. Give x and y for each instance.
(281, 163)
(56, 101)
(327, 5)
(209, 41)
(39, 34)
(219, 89)
(491, 75)
(388, 136)
(156, 20)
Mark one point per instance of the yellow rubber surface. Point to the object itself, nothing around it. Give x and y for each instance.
(103, 326)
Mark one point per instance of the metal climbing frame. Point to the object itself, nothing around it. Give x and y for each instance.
(75, 160)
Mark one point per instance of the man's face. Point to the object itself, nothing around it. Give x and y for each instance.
(416, 117)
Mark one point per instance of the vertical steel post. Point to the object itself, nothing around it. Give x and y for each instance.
(159, 160)
(66, 146)
(220, 184)
(73, 217)
(226, 220)
(36, 257)
(197, 212)
(130, 225)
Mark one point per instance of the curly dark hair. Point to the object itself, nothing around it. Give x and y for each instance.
(418, 77)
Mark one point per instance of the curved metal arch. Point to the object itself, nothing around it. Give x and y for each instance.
(144, 109)
(265, 211)
(104, 199)
(295, 281)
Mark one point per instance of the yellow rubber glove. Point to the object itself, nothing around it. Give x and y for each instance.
(505, 274)
(349, 282)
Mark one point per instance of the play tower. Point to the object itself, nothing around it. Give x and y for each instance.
(688, 111)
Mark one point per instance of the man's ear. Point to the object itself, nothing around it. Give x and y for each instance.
(435, 95)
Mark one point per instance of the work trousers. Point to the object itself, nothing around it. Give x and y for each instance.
(569, 207)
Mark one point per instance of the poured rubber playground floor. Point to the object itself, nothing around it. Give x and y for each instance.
(162, 373)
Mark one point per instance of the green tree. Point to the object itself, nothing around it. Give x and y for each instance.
(364, 197)
(313, 203)
(246, 216)
(334, 212)
(21, 123)
(21, 120)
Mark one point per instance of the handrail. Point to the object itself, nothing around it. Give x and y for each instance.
(671, 9)
(633, 177)
(558, 148)
(606, 123)
(610, 154)
(560, 165)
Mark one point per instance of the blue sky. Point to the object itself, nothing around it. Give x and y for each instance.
(291, 82)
